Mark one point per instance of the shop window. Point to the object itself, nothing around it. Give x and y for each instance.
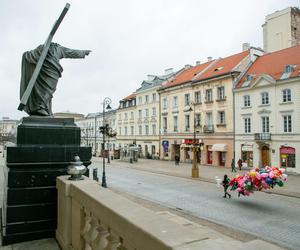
(287, 157)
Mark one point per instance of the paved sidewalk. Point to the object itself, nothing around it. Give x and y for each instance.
(207, 173)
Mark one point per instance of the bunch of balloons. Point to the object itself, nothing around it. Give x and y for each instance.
(257, 180)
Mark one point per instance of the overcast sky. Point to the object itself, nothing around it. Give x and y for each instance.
(129, 39)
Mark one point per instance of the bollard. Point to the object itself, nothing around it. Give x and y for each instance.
(95, 174)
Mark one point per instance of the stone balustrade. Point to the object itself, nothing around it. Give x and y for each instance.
(92, 217)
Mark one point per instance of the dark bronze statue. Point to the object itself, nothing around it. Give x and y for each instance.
(40, 99)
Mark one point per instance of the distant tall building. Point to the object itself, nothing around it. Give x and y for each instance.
(282, 29)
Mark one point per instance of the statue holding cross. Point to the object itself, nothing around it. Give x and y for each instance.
(41, 71)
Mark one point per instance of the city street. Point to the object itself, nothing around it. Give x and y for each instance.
(269, 216)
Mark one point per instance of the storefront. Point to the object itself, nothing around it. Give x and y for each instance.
(287, 157)
(247, 154)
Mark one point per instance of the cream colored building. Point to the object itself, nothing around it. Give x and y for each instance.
(147, 114)
(281, 29)
(198, 104)
(267, 112)
(125, 122)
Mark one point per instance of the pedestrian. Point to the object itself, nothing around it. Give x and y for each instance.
(176, 160)
(233, 166)
(225, 183)
(240, 164)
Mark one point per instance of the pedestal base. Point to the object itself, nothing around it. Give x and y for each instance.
(195, 172)
(45, 147)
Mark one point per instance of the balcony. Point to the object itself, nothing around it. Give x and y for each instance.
(262, 136)
(208, 128)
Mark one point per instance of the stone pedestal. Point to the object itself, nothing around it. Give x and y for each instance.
(45, 147)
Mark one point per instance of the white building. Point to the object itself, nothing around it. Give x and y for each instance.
(267, 117)
(281, 29)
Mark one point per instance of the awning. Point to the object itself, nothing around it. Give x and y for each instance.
(219, 147)
(247, 148)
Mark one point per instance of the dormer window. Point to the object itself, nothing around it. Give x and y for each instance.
(219, 68)
(288, 68)
(249, 77)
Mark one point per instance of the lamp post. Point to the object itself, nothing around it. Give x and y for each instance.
(95, 149)
(195, 169)
(106, 102)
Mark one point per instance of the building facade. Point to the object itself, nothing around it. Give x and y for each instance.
(125, 122)
(281, 29)
(147, 114)
(90, 132)
(197, 106)
(267, 117)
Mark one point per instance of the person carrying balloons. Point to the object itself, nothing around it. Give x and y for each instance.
(225, 183)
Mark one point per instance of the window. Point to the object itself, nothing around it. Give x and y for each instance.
(153, 97)
(265, 98)
(147, 112)
(125, 116)
(153, 111)
(165, 123)
(140, 130)
(140, 100)
(222, 117)
(187, 99)
(132, 130)
(131, 115)
(247, 125)
(209, 119)
(146, 129)
(165, 103)
(247, 101)
(120, 130)
(146, 98)
(154, 129)
(187, 122)
(175, 121)
(208, 95)
(198, 97)
(125, 130)
(265, 124)
(140, 113)
(221, 93)
(198, 120)
(175, 101)
(286, 95)
(287, 123)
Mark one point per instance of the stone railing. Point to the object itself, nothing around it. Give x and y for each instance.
(92, 217)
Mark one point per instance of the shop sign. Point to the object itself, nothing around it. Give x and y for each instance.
(287, 150)
(190, 141)
(165, 145)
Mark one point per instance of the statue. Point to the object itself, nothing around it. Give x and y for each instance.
(40, 99)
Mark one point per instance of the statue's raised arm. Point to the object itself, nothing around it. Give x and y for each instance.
(40, 99)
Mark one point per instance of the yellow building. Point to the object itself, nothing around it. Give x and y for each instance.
(198, 104)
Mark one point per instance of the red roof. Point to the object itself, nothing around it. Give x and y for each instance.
(208, 70)
(187, 75)
(223, 66)
(131, 96)
(273, 64)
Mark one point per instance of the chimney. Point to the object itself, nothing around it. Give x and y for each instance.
(187, 66)
(209, 58)
(198, 62)
(246, 46)
(168, 71)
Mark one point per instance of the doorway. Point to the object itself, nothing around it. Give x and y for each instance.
(265, 156)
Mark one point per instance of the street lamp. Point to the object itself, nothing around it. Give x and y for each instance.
(106, 105)
(195, 169)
